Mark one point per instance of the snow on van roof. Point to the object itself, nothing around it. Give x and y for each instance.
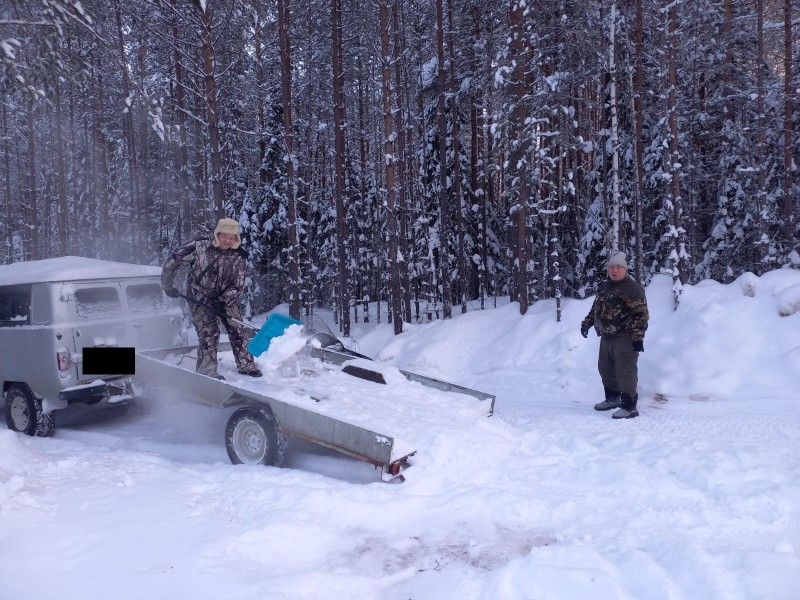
(69, 268)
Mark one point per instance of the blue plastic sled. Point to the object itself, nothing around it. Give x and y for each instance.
(274, 327)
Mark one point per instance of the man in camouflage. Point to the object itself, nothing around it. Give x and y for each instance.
(619, 314)
(215, 281)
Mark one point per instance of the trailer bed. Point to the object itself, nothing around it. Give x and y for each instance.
(311, 395)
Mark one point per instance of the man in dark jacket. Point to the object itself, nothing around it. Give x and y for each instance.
(619, 314)
(215, 281)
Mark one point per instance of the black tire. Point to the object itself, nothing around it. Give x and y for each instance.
(253, 437)
(24, 412)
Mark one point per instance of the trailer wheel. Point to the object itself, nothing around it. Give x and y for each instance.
(252, 437)
(24, 412)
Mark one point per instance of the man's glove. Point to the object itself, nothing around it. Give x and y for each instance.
(585, 327)
(219, 307)
(172, 292)
(638, 345)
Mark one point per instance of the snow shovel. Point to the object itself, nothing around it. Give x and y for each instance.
(274, 327)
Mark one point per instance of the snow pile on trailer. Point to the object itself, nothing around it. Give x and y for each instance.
(410, 413)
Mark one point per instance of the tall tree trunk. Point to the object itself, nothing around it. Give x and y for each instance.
(638, 137)
(33, 210)
(63, 231)
(99, 199)
(401, 126)
(389, 162)
(291, 208)
(458, 199)
(616, 209)
(145, 246)
(8, 226)
(678, 275)
(761, 142)
(184, 192)
(518, 152)
(789, 93)
(444, 204)
(727, 73)
(339, 122)
(212, 115)
(130, 137)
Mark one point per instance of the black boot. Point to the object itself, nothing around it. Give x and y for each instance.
(612, 400)
(627, 409)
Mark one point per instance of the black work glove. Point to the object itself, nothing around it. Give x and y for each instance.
(638, 345)
(219, 307)
(172, 292)
(585, 327)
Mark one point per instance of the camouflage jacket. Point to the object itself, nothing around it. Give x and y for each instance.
(619, 309)
(213, 274)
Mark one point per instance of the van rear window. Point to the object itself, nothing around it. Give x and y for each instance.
(146, 297)
(96, 302)
(15, 306)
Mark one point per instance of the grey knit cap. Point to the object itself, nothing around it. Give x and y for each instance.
(619, 259)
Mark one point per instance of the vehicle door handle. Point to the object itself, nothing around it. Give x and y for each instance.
(138, 325)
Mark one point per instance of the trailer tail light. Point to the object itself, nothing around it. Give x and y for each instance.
(62, 358)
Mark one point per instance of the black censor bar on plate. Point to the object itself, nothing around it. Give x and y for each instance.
(108, 361)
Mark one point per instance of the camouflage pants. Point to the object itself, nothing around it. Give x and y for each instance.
(207, 325)
(618, 364)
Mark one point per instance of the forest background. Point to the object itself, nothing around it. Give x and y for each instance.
(425, 153)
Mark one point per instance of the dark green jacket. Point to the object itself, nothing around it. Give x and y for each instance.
(619, 309)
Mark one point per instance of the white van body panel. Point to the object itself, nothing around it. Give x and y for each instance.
(63, 305)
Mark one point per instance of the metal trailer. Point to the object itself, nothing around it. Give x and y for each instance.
(257, 431)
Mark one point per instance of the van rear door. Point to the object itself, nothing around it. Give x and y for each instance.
(148, 308)
(98, 317)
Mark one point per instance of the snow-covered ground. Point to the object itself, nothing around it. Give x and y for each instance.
(698, 498)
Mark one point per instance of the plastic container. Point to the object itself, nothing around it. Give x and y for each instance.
(274, 327)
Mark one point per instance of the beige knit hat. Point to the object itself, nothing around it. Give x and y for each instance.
(619, 259)
(227, 226)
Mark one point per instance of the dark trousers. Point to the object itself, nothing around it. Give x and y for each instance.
(618, 364)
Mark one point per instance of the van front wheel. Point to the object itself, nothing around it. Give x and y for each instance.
(24, 412)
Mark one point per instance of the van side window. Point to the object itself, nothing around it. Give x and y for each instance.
(96, 302)
(145, 297)
(15, 306)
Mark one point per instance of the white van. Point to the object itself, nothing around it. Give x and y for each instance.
(68, 330)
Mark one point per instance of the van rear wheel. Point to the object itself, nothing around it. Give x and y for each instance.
(24, 412)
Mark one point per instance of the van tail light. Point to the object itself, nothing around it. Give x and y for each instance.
(62, 358)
